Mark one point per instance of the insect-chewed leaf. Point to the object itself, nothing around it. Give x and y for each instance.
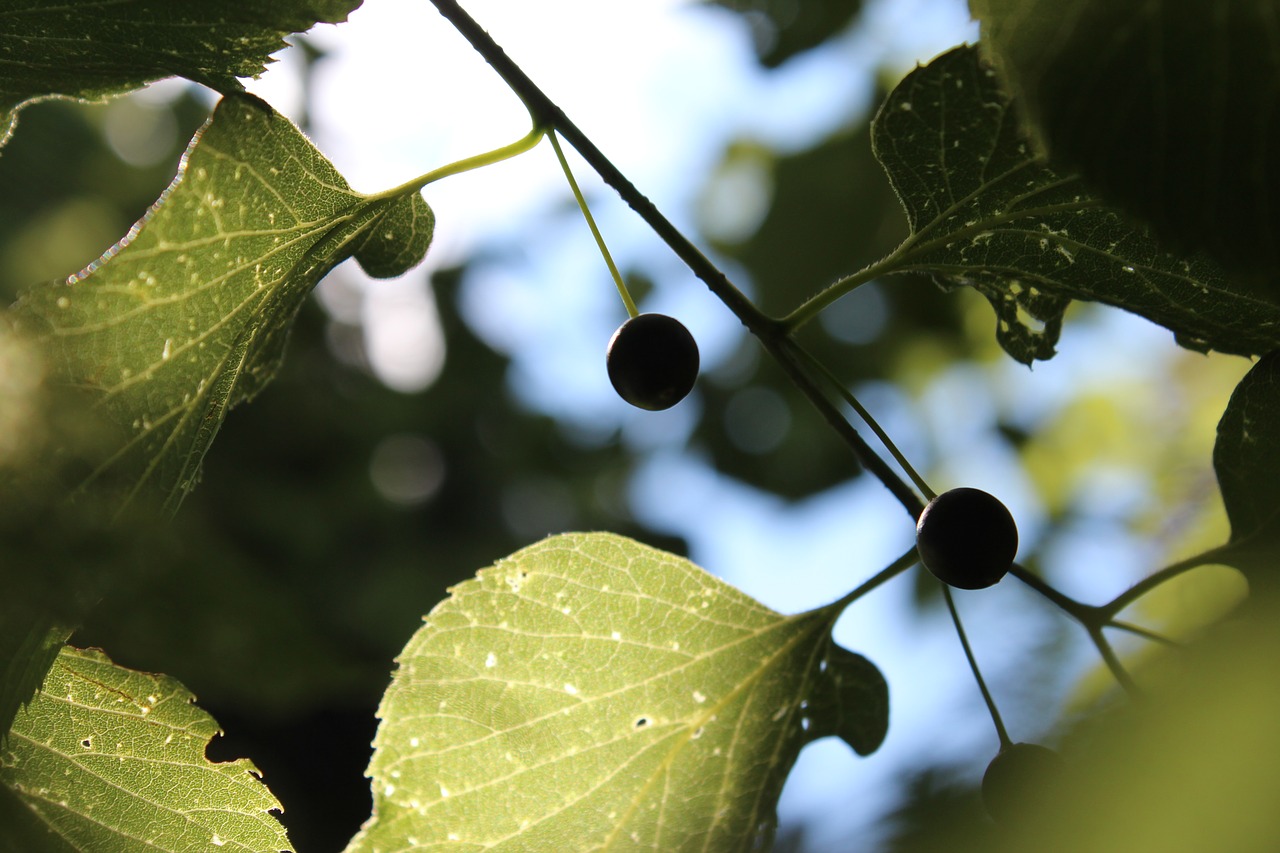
(106, 758)
(96, 48)
(591, 693)
(987, 212)
(1248, 466)
(189, 314)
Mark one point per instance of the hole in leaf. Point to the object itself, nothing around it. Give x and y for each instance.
(1032, 323)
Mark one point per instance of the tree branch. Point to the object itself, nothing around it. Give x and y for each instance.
(773, 334)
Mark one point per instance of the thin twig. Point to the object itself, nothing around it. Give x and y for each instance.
(1142, 587)
(1109, 657)
(1144, 633)
(772, 333)
(1001, 732)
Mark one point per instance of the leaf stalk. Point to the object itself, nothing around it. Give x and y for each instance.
(467, 164)
(632, 311)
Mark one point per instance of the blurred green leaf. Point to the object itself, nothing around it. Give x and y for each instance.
(1192, 768)
(95, 49)
(107, 758)
(594, 689)
(189, 314)
(985, 212)
(1166, 108)
(783, 28)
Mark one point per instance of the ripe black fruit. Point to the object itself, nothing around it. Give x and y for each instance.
(1019, 773)
(967, 538)
(653, 361)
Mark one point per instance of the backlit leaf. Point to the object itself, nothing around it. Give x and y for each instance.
(986, 212)
(108, 759)
(591, 693)
(94, 48)
(189, 315)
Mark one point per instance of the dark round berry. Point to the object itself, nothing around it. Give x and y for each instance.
(653, 361)
(1020, 773)
(967, 538)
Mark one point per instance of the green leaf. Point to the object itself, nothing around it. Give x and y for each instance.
(1248, 466)
(986, 212)
(591, 693)
(96, 48)
(852, 703)
(108, 759)
(29, 644)
(1167, 108)
(189, 314)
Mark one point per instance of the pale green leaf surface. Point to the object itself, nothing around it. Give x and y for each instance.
(984, 211)
(592, 693)
(189, 315)
(94, 48)
(109, 760)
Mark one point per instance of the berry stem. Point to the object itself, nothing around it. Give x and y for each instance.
(870, 421)
(549, 115)
(632, 311)
(1001, 732)
(793, 362)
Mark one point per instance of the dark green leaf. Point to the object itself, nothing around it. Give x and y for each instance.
(106, 758)
(984, 211)
(92, 49)
(1167, 108)
(851, 701)
(595, 689)
(1246, 459)
(189, 315)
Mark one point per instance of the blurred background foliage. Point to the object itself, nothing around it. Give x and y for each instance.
(335, 510)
